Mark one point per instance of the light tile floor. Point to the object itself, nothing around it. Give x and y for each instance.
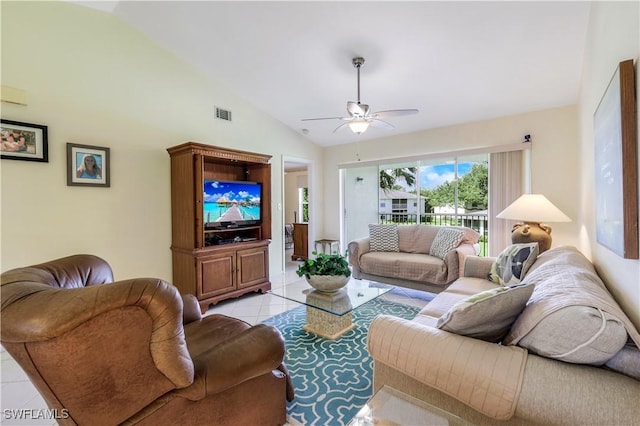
(19, 398)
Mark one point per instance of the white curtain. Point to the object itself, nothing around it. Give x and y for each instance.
(505, 186)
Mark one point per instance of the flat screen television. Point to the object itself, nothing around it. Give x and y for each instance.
(229, 204)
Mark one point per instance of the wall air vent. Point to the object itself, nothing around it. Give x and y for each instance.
(223, 114)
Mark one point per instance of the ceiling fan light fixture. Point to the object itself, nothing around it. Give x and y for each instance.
(360, 118)
(359, 126)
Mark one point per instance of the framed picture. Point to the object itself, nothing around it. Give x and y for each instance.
(616, 168)
(24, 141)
(87, 165)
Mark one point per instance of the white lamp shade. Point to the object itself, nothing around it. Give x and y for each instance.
(359, 126)
(533, 208)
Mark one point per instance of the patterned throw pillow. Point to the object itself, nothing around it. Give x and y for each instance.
(383, 238)
(487, 315)
(513, 263)
(446, 240)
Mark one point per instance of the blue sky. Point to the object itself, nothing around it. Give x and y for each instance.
(433, 176)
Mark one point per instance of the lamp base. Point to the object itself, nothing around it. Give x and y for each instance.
(532, 232)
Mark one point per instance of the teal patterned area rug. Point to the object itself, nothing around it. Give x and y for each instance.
(332, 379)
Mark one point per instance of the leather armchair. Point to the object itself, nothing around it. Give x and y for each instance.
(136, 352)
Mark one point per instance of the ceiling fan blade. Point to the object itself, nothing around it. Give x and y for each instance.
(394, 113)
(340, 127)
(381, 124)
(326, 118)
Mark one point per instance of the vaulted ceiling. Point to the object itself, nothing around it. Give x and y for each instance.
(455, 61)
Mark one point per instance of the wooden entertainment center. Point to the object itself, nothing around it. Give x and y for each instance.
(217, 263)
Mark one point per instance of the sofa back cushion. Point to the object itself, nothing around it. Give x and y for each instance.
(577, 334)
(570, 316)
(416, 238)
(469, 236)
(419, 238)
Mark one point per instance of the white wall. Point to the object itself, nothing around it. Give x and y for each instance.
(292, 181)
(94, 80)
(613, 36)
(555, 153)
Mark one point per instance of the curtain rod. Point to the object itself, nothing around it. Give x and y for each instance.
(522, 146)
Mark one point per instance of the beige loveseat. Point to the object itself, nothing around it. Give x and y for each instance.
(412, 263)
(520, 380)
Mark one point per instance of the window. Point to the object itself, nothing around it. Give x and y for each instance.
(433, 189)
(437, 191)
(398, 205)
(303, 203)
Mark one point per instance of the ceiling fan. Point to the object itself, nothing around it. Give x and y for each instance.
(360, 118)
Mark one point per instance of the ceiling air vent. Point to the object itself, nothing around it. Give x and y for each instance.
(223, 114)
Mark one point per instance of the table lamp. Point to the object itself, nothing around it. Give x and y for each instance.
(532, 210)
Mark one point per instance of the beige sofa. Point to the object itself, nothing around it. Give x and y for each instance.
(413, 265)
(520, 381)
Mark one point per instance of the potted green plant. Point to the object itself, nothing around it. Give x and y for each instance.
(327, 272)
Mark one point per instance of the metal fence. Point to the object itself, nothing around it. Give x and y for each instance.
(476, 221)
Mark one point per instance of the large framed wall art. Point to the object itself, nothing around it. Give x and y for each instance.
(616, 164)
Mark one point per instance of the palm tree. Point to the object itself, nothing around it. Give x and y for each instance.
(389, 177)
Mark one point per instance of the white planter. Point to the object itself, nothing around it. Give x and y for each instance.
(327, 283)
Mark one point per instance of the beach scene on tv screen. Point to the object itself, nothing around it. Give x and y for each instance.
(231, 201)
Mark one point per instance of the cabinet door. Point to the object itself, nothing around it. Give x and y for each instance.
(216, 274)
(253, 266)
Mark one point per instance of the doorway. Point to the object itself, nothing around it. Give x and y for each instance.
(296, 206)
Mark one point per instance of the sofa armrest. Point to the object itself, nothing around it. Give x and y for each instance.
(477, 267)
(454, 260)
(357, 248)
(190, 309)
(485, 376)
(463, 251)
(252, 353)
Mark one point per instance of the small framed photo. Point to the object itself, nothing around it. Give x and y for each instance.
(23, 141)
(87, 165)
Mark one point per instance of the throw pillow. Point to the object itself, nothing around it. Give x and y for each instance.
(446, 240)
(383, 238)
(487, 315)
(513, 263)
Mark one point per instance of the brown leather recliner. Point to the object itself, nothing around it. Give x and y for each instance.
(127, 352)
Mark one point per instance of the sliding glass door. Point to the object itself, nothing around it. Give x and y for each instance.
(436, 191)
